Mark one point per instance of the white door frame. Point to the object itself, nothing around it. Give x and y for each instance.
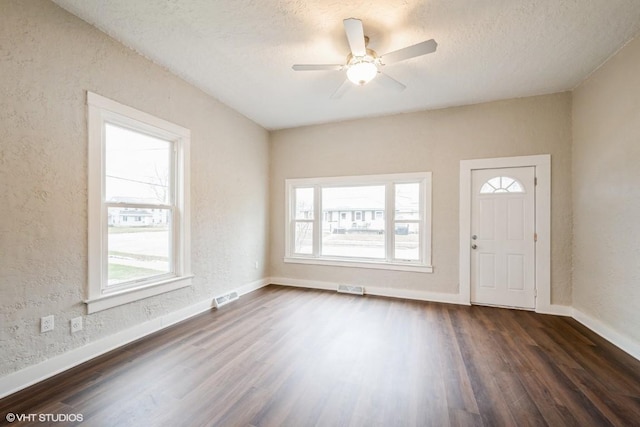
(542, 163)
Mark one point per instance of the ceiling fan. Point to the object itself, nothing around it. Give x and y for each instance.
(363, 64)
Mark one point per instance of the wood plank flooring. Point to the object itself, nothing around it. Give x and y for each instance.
(294, 357)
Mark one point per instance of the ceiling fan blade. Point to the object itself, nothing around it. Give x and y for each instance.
(317, 67)
(342, 89)
(355, 36)
(389, 82)
(408, 52)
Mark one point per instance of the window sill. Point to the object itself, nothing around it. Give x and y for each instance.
(379, 265)
(115, 299)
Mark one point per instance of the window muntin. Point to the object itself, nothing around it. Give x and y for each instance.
(502, 184)
(353, 222)
(138, 205)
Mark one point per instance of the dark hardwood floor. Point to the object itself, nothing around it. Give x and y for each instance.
(293, 357)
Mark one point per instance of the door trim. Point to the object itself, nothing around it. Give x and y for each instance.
(542, 164)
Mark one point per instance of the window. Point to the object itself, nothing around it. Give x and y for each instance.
(407, 221)
(138, 205)
(303, 220)
(380, 221)
(502, 184)
(346, 238)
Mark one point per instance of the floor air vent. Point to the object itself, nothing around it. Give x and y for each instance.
(351, 289)
(225, 299)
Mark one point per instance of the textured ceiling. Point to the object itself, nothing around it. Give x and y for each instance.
(241, 51)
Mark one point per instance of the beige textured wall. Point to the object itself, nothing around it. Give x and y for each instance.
(48, 60)
(429, 141)
(606, 203)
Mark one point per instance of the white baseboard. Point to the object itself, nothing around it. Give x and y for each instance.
(614, 337)
(253, 286)
(415, 295)
(556, 310)
(369, 290)
(30, 375)
(300, 283)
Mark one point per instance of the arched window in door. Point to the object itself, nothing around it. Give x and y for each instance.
(502, 184)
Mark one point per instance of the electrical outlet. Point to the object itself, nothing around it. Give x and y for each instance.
(76, 324)
(46, 324)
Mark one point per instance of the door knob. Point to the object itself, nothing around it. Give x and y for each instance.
(474, 246)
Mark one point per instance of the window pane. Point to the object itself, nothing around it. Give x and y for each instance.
(408, 201)
(353, 223)
(304, 203)
(407, 242)
(502, 184)
(138, 244)
(303, 239)
(515, 187)
(138, 167)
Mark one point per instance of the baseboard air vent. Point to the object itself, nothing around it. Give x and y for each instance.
(351, 289)
(225, 299)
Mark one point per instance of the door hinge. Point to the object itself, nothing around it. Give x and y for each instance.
(535, 181)
(535, 292)
(535, 237)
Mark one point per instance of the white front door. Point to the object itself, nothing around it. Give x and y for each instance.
(503, 237)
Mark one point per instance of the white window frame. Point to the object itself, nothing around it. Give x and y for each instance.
(389, 180)
(104, 111)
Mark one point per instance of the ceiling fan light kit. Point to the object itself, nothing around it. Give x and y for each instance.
(362, 70)
(363, 64)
